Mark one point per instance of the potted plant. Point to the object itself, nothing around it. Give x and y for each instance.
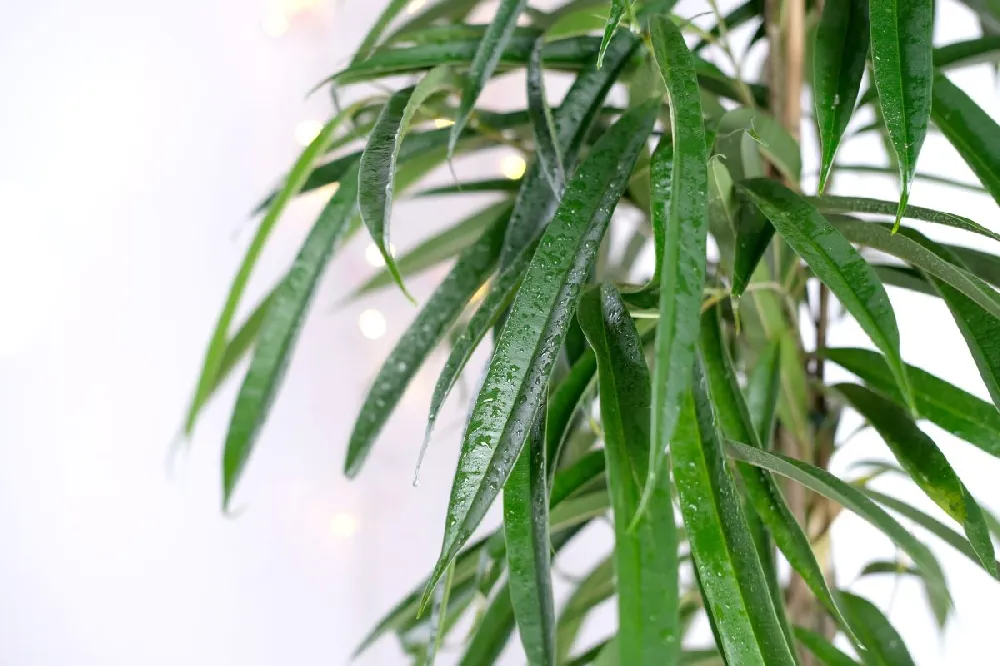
(692, 404)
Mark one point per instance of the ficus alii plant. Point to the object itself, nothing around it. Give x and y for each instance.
(686, 404)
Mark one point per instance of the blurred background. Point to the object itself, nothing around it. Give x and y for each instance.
(135, 138)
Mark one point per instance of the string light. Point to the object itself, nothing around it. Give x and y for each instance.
(307, 130)
(441, 123)
(343, 525)
(513, 167)
(372, 324)
(415, 6)
(374, 256)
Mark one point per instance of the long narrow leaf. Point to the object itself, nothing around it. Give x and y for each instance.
(525, 353)
(646, 556)
(902, 55)
(925, 464)
(836, 263)
(278, 333)
(731, 575)
(763, 492)
(944, 404)
(838, 65)
(880, 640)
(427, 329)
(682, 271)
(526, 529)
(542, 124)
(485, 61)
(822, 649)
(763, 390)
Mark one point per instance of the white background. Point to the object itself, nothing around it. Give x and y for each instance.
(135, 137)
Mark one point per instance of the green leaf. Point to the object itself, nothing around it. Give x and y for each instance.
(865, 205)
(771, 139)
(492, 632)
(938, 598)
(616, 11)
(947, 406)
(526, 529)
(485, 61)
(443, 307)
(494, 304)
(748, 11)
(914, 248)
(383, 21)
(968, 52)
(474, 187)
(278, 333)
(882, 644)
(838, 65)
(454, 11)
(822, 649)
(565, 401)
(378, 161)
(928, 177)
(753, 235)
(828, 485)
(525, 353)
(970, 130)
(236, 349)
(901, 35)
(646, 556)
(763, 388)
(836, 263)
(925, 464)
(981, 330)
(437, 248)
(932, 525)
(735, 588)
(542, 124)
(682, 269)
(220, 335)
(765, 496)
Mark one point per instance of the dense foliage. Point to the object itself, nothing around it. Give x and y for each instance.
(691, 407)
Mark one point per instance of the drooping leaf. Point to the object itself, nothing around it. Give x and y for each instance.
(645, 556)
(730, 572)
(616, 11)
(836, 263)
(927, 177)
(828, 485)
(474, 187)
(753, 235)
(515, 382)
(932, 525)
(823, 649)
(944, 404)
(485, 61)
(981, 330)
(526, 530)
(442, 308)
(901, 36)
(925, 464)
(383, 21)
(967, 52)
(437, 248)
(682, 271)
(278, 333)
(748, 11)
(938, 598)
(495, 302)
(915, 249)
(971, 130)
(769, 137)
(880, 640)
(378, 161)
(838, 65)
(294, 182)
(866, 205)
(763, 389)
(596, 587)
(761, 490)
(492, 631)
(542, 124)
(564, 402)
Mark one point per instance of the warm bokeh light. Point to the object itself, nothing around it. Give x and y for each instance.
(441, 123)
(513, 167)
(415, 6)
(275, 23)
(343, 525)
(372, 324)
(307, 130)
